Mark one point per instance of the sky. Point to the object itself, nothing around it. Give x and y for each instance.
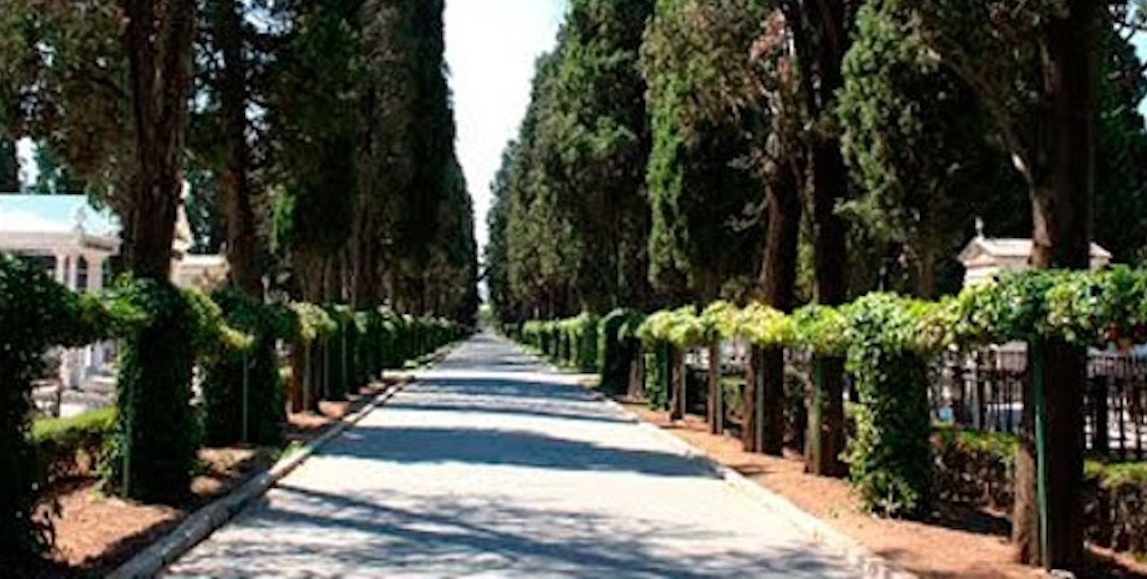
(491, 46)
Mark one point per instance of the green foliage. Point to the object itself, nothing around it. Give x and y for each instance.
(658, 357)
(758, 323)
(153, 452)
(977, 469)
(821, 329)
(681, 327)
(914, 136)
(242, 389)
(889, 457)
(617, 348)
(72, 447)
(341, 353)
(35, 312)
(701, 188)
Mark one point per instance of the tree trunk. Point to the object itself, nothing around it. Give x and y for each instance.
(235, 188)
(821, 38)
(750, 413)
(1062, 175)
(777, 281)
(827, 422)
(158, 46)
(676, 384)
(716, 401)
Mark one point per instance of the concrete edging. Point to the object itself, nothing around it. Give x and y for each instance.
(206, 520)
(856, 554)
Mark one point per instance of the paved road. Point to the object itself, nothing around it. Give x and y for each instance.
(491, 466)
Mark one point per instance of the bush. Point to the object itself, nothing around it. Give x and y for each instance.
(242, 389)
(72, 447)
(153, 451)
(616, 350)
(37, 313)
(658, 357)
(889, 457)
(976, 469)
(340, 380)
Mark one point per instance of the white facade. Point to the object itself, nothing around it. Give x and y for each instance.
(77, 241)
(984, 258)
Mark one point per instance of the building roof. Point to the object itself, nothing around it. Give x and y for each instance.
(54, 214)
(1010, 248)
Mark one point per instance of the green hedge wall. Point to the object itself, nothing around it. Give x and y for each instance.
(148, 443)
(977, 469)
(37, 313)
(618, 348)
(153, 452)
(243, 390)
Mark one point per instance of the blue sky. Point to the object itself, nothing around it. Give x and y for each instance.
(491, 46)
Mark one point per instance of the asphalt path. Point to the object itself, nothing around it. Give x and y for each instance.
(493, 465)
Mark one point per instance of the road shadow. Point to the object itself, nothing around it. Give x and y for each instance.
(404, 534)
(501, 447)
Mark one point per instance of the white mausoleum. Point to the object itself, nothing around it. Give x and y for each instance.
(985, 257)
(76, 243)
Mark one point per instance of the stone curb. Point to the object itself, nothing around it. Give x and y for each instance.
(200, 524)
(857, 555)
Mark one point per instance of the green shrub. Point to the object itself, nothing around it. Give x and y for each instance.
(153, 452)
(340, 380)
(889, 457)
(242, 390)
(658, 357)
(976, 469)
(74, 446)
(617, 351)
(37, 313)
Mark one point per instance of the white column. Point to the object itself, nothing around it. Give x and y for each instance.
(73, 271)
(95, 272)
(96, 352)
(61, 268)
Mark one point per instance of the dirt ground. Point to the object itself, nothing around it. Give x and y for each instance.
(96, 533)
(969, 544)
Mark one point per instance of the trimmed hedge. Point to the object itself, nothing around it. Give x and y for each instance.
(242, 389)
(153, 452)
(150, 440)
(73, 447)
(618, 348)
(889, 455)
(977, 469)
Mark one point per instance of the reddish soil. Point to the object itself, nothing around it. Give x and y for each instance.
(96, 533)
(970, 543)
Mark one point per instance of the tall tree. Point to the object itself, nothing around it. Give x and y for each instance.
(819, 33)
(223, 136)
(316, 87)
(1035, 70)
(700, 187)
(598, 141)
(406, 148)
(914, 135)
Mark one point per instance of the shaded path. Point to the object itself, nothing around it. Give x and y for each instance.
(490, 466)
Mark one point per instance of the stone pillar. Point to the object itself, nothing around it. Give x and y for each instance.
(73, 272)
(95, 272)
(61, 268)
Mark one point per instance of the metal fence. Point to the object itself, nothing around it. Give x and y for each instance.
(984, 391)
